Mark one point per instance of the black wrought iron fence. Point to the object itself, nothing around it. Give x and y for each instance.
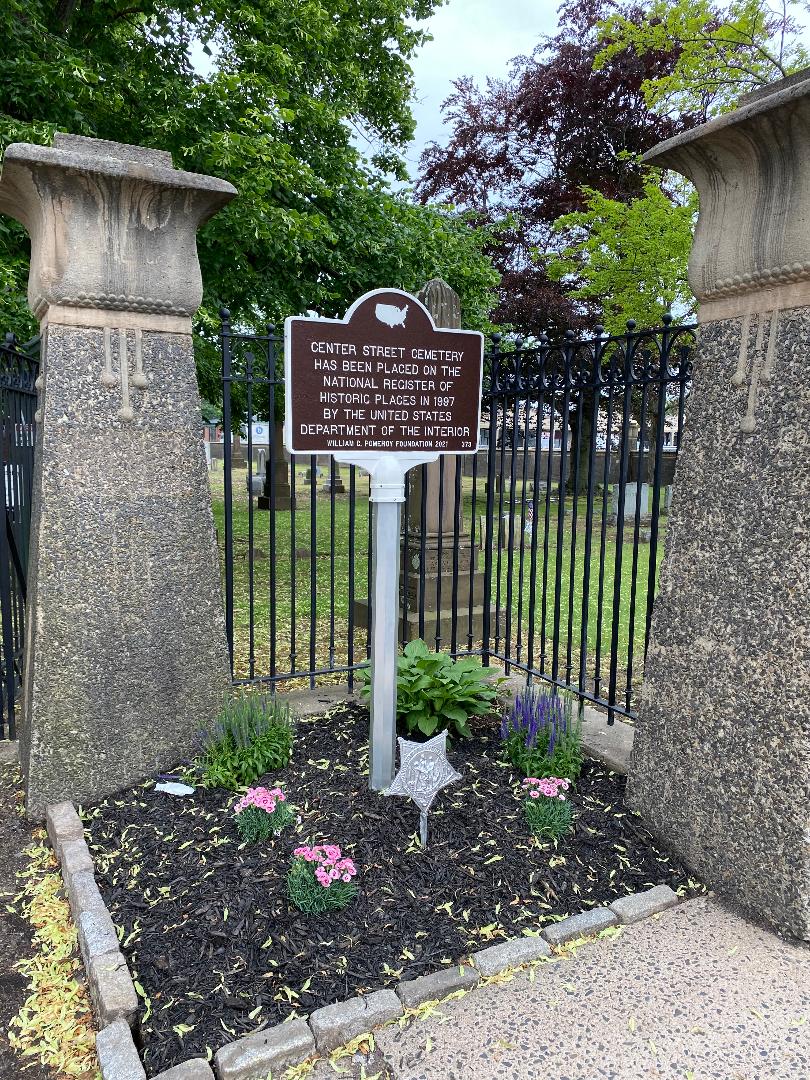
(19, 366)
(540, 553)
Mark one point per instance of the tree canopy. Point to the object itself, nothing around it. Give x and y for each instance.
(720, 51)
(629, 257)
(525, 150)
(292, 91)
(554, 151)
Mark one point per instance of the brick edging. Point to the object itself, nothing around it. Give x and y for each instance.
(115, 1001)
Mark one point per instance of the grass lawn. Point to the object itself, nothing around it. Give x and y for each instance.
(286, 605)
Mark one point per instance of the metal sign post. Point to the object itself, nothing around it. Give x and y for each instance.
(386, 495)
(386, 390)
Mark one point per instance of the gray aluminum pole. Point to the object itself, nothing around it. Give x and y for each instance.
(385, 608)
(386, 494)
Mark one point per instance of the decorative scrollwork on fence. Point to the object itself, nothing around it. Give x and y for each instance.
(601, 362)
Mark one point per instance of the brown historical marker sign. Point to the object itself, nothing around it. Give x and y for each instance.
(382, 379)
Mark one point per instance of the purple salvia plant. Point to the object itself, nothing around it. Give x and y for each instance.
(535, 712)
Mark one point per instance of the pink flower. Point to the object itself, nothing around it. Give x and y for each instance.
(329, 864)
(534, 794)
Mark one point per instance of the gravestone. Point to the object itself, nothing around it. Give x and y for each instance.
(256, 481)
(721, 758)
(334, 480)
(443, 548)
(276, 490)
(635, 495)
(125, 654)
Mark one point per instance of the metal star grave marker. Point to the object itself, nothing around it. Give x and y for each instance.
(423, 771)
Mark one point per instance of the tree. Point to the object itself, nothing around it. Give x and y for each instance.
(630, 257)
(522, 151)
(386, 237)
(293, 87)
(634, 255)
(720, 50)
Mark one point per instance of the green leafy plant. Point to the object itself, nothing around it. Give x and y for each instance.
(546, 805)
(435, 692)
(321, 879)
(540, 736)
(262, 812)
(252, 736)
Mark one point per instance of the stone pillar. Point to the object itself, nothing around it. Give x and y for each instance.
(125, 654)
(721, 763)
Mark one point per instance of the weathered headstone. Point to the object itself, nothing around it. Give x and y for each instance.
(333, 481)
(276, 491)
(635, 496)
(125, 654)
(721, 761)
(446, 545)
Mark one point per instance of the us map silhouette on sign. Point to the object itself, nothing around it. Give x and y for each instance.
(390, 315)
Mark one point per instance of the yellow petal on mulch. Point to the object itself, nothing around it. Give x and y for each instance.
(55, 1024)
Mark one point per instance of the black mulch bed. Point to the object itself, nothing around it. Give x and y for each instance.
(219, 951)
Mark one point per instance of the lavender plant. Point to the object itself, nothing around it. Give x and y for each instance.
(252, 736)
(540, 735)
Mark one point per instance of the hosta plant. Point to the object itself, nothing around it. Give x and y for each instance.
(540, 736)
(546, 805)
(321, 879)
(252, 736)
(435, 692)
(262, 812)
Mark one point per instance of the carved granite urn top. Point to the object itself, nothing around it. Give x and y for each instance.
(112, 226)
(752, 171)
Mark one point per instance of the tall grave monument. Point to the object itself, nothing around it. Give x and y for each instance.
(447, 545)
(721, 762)
(125, 655)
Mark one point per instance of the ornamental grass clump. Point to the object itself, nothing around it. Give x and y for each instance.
(252, 736)
(320, 879)
(546, 805)
(540, 736)
(262, 812)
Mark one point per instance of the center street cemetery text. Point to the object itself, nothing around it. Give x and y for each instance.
(384, 380)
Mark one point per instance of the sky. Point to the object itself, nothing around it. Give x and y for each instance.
(476, 38)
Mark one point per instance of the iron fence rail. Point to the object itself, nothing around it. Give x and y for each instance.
(565, 505)
(19, 367)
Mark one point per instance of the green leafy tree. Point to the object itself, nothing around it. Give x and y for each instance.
(630, 256)
(292, 89)
(721, 50)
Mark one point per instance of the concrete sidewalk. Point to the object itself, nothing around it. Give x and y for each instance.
(696, 993)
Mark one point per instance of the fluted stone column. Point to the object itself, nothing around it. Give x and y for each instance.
(125, 653)
(721, 762)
